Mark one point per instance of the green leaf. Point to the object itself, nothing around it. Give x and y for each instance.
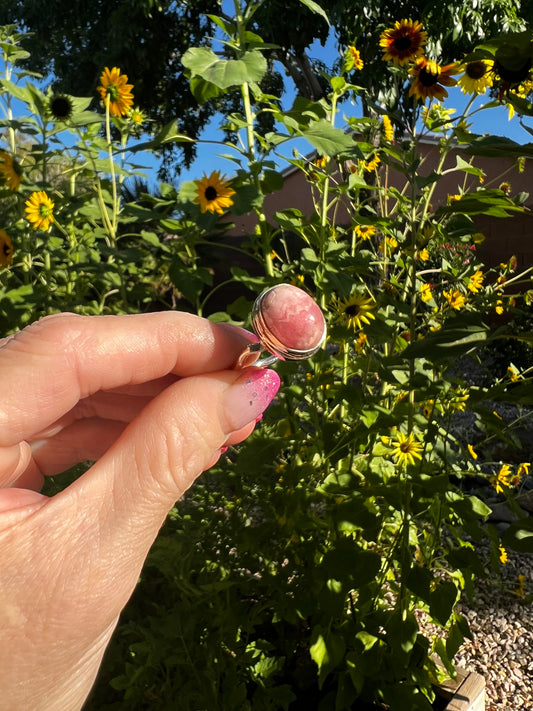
(168, 134)
(519, 536)
(498, 147)
(326, 650)
(224, 73)
(442, 601)
(315, 7)
(458, 336)
(328, 141)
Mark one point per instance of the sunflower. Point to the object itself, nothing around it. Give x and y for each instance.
(356, 310)
(426, 292)
(477, 76)
(6, 249)
(369, 166)
(502, 480)
(455, 299)
(364, 231)
(114, 85)
(40, 210)
(387, 130)
(213, 193)
(353, 59)
(429, 78)
(406, 449)
(61, 107)
(476, 281)
(10, 171)
(404, 42)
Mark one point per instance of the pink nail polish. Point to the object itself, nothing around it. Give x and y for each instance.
(250, 395)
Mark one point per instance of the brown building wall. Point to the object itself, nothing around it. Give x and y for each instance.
(504, 236)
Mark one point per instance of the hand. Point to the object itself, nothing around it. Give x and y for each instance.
(151, 399)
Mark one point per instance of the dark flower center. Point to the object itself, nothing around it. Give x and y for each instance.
(405, 447)
(403, 43)
(427, 78)
(476, 70)
(61, 107)
(352, 310)
(210, 193)
(6, 249)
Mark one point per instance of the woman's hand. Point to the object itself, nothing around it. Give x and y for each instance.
(151, 399)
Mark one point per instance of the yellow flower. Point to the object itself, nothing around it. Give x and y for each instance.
(513, 373)
(6, 249)
(386, 129)
(423, 255)
(437, 118)
(520, 589)
(472, 452)
(523, 469)
(461, 396)
(39, 210)
(356, 310)
(370, 165)
(213, 193)
(503, 555)
(476, 281)
(428, 409)
(477, 76)
(321, 161)
(499, 307)
(10, 171)
(455, 299)
(406, 449)
(361, 343)
(502, 479)
(353, 59)
(114, 87)
(425, 292)
(430, 79)
(298, 280)
(450, 199)
(478, 238)
(390, 242)
(403, 42)
(364, 231)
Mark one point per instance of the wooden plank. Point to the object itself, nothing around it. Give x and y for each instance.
(470, 694)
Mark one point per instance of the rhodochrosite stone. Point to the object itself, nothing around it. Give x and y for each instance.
(293, 317)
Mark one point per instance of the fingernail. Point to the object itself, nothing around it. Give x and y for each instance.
(250, 395)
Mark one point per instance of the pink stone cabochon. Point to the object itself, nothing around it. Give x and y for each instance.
(292, 316)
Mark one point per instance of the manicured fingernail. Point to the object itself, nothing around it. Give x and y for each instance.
(223, 449)
(250, 395)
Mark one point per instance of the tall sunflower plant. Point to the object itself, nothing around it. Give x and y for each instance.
(333, 550)
(322, 564)
(79, 231)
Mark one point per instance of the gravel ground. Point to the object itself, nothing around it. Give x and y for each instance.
(502, 628)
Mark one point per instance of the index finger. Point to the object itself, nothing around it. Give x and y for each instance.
(49, 366)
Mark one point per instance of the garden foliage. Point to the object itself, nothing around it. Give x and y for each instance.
(295, 574)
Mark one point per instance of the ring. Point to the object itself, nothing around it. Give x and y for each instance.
(289, 325)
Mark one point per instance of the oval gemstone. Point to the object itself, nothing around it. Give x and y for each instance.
(292, 317)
